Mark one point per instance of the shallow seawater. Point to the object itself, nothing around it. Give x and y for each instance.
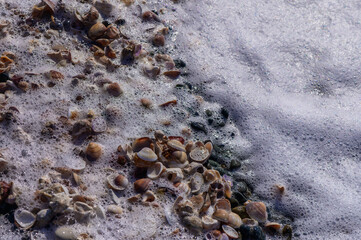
(286, 71)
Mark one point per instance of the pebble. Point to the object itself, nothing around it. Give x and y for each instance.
(200, 127)
(65, 233)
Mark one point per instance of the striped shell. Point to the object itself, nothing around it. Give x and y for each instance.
(257, 211)
(93, 151)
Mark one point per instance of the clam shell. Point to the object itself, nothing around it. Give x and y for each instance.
(273, 225)
(149, 196)
(24, 219)
(196, 182)
(209, 146)
(174, 174)
(99, 211)
(65, 233)
(147, 154)
(230, 231)
(199, 154)
(221, 215)
(117, 182)
(175, 164)
(209, 223)
(179, 156)
(96, 31)
(234, 220)
(197, 201)
(142, 185)
(75, 164)
(176, 145)
(194, 167)
(223, 204)
(93, 151)
(159, 136)
(141, 143)
(211, 175)
(155, 171)
(43, 217)
(183, 189)
(249, 222)
(257, 211)
(115, 209)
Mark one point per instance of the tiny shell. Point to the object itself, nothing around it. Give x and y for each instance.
(211, 175)
(114, 89)
(24, 219)
(221, 215)
(141, 143)
(149, 196)
(257, 211)
(112, 32)
(151, 71)
(149, 16)
(194, 167)
(173, 74)
(93, 151)
(155, 171)
(176, 145)
(197, 201)
(210, 223)
(209, 146)
(273, 225)
(117, 182)
(43, 217)
(179, 156)
(147, 154)
(114, 209)
(146, 102)
(158, 40)
(142, 185)
(234, 220)
(230, 231)
(196, 182)
(65, 233)
(199, 154)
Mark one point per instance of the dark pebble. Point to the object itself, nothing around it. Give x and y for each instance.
(56, 25)
(252, 232)
(221, 170)
(106, 23)
(234, 202)
(235, 164)
(209, 113)
(240, 187)
(127, 56)
(241, 198)
(200, 127)
(120, 22)
(4, 77)
(179, 63)
(241, 211)
(213, 164)
(225, 113)
(67, 25)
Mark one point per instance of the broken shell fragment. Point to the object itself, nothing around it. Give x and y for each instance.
(174, 174)
(234, 220)
(142, 185)
(155, 171)
(211, 175)
(209, 223)
(199, 154)
(24, 219)
(176, 145)
(151, 71)
(257, 211)
(149, 196)
(43, 217)
(230, 231)
(115, 209)
(273, 225)
(114, 89)
(209, 147)
(196, 182)
(194, 167)
(117, 182)
(93, 151)
(90, 18)
(158, 40)
(223, 204)
(112, 32)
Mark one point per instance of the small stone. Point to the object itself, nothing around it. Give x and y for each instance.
(65, 233)
(200, 127)
(241, 198)
(234, 202)
(115, 209)
(235, 164)
(194, 223)
(179, 63)
(251, 232)
(114, 89)
(241, 211)
(158, 40)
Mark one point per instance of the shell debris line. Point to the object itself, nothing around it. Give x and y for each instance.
(83, 87)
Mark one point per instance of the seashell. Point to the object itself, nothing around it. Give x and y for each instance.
(81, 130)
(112, 32)
(196, 182)
(223, 204)
(135, 198)
(142, 185)
(90, 18)
(115, 209)
(209, 147)
(159, 135)
(257, 211)
(211, 175)
(173, 74)
(176, 145)
(146, 102)
(194, 223)
(174, 174)
(147, 154)
(114, 89)
(103, 42)
(99, 211)
(43, 217)
(209, 223)
(93, 151)
(249, 222)
(83, 212)
(141, 143)
(104, 7)
(117, 182)
(127, 55)
(234, 220)
(149, 196)
(178, 138)
(65, 233)
(230, 231)
(155, 171)
(207, 203)
(227, 190)
(109, 52)
(54, 75)
(189, 146)
(76, 164)
(194, 167)
(175, 164)
(151, 71)
(197, 201)
(169, 103)
(3, 164)
(96, 31)
(158, 40)
(273, 226)
(24, 219)
(149, 16)
(221, 215)
(183, 189)
(179, 156)
(199, 154)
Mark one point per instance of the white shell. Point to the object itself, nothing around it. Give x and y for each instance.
(179, 156)
(196, 182)
(100, 211)
(65, 233)
(114, 209)
(175, 164)
(147, 154)
(234, 220)
(210, 223)
(230, 231)
(149, 196)
(174, 174)
(154, 171)
(199, 154)
(24, 218)
(194, 167)
(75, 164)
(176, 145)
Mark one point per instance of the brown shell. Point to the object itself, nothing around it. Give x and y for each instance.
(96, 31)
(142, 185)
(158, 40)
(93, 151)
(223, 204)
(234, 220)
(221, 215)
(114, 89)
(141, 143)
(173, 74)
(257, 211)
